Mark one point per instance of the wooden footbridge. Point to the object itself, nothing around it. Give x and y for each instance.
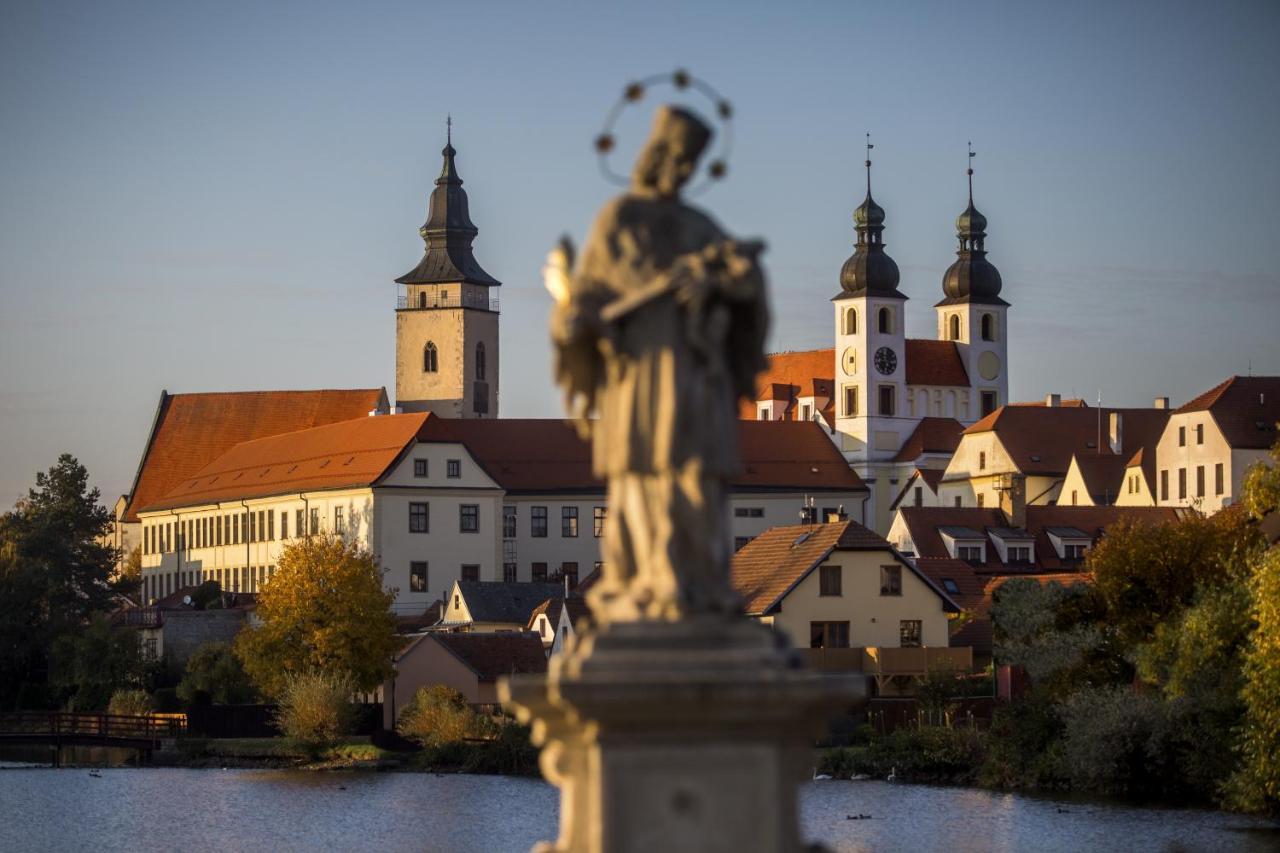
(143, 732)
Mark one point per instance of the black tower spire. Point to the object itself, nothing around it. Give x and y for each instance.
(448, 231)
(971, 278)
(869, 270)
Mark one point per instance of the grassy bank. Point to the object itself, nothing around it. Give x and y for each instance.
(349, 753)
(507, 756)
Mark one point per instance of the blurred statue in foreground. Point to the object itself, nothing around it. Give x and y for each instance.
(658, 331)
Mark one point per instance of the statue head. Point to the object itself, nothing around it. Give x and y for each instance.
(671, 153)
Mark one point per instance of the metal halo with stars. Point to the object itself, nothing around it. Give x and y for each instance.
(680, 80)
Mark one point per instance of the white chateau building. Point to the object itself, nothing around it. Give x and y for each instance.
(890, 403)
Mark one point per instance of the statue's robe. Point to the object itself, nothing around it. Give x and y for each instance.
(665, 380)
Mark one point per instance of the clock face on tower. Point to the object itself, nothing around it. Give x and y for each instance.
(886, 360)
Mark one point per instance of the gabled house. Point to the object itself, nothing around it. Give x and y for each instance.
(1211, 441)
(557, 620)
(494, 606)
(469, 663)
(839, 585)
(1038, 443)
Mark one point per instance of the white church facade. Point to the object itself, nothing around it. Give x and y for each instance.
(894, 404)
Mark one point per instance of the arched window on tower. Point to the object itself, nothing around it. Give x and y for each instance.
(851, 321)
(988, 327)
(953, 329)
(422, 299)
(886, 321)
(430, 358)
(480, 360)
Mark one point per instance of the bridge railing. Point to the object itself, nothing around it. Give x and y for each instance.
(124, 726)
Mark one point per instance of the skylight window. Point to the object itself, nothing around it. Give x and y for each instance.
(800, 539)
(950, 586)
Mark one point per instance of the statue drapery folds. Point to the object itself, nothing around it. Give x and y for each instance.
(659, 330)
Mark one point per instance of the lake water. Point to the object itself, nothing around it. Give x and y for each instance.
(162, 809)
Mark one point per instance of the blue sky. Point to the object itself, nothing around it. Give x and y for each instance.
(217, 196)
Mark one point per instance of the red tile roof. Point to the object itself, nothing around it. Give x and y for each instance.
(191, 430)
(348, 454)
(1245, 408)
(1042, 439)
(931, 478)
(490, 656)
(791, 375)
(538, 456)
(768, 567)
(935, 363)
(931, 435)
(924, 525)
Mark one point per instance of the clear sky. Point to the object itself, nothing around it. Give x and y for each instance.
(217, 196)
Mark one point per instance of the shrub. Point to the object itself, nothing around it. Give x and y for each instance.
(1113, 738)
(215, 672)
(438, 715)
(132, 702)
(927, 754)
(315, 709)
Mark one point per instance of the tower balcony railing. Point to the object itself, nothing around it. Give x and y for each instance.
(452, 299)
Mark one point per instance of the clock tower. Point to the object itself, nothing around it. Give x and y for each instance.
(870, 350)
(973, 315)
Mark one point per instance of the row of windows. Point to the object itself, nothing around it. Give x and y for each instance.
(538, 521)
(889, 402)
(235, 579)
(453, 468)
(831, 582)
(1219, 482)
(431, 358)
(835, 635)
(884, 321)
(232, 529)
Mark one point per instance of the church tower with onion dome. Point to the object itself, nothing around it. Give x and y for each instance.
(870, 363)
(972, 314)
(446, 315)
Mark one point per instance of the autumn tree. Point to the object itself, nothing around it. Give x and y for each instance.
(324, 610)
(1256, 785)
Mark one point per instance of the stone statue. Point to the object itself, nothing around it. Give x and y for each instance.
(659, 330)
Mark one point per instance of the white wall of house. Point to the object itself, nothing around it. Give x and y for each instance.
(1193, 444)
(874, 619)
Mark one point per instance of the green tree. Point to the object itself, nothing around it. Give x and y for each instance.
(93, 663)
(55, 572)
(1148, 572)
(1256, 786)
(216, 675)
(128, 580)
(324, 610)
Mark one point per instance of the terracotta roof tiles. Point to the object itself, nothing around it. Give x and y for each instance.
(931, 435)
(347, 454)
(191, 430)
(490, 656)
(1042, 439)
(935, 363)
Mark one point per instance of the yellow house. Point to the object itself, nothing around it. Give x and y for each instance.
(839, 585)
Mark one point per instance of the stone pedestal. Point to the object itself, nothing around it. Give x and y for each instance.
(688, 735)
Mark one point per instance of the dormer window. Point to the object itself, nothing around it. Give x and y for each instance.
(965, 543)
(1070, 543)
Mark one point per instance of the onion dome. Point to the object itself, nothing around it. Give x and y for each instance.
(869, 271)
(448, 233)
(971, 278)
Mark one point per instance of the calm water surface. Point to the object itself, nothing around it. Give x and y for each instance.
(161, 809)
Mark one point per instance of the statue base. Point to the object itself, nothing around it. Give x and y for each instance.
(689, 735)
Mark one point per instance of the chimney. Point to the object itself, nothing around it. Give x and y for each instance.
(837, 516)
(1162, 402)
(1053, 400)
(1114, 433)
(1013, 500)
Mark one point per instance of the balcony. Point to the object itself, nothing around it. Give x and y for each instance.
(451, 298)
(897, 671)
